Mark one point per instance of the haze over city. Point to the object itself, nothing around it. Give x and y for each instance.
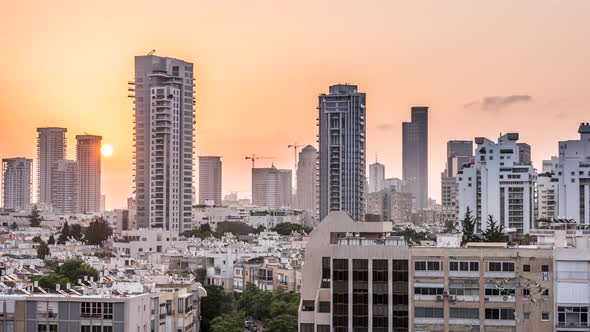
(482, 68)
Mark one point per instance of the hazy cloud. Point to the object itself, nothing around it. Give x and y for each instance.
(498, 103)
(385, 126)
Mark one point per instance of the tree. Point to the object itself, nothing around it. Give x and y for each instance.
(14, 226)
(227, 323)
(468, 225)
(234, 227)
(64, 234)
(97, 232)
(42, 250)
(37, 239)
(35, 218)
(76, 232)
(217, 302)
(413, 236)
(494, 232)
(49, 281)
(51, 240)
(286, 228)
(74, 269)
(202, 232)
(282, 323)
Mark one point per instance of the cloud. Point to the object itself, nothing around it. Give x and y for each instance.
(385, 126)
(498, 103)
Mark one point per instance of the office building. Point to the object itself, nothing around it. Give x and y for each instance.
(64, 187)
(354, 278)
(390, 205)
(459, 154)
(164, 142)
(271, 187)
(376, 177)
(307, 180)
(497, 184)
(342, 151)
(51, 147)
(415, 156)
(398, 185)
(88, 157)
(210, 180)
(16, 183)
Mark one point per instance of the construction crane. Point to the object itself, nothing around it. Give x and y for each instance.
(294, 146)
(151, 52)
(254, 158)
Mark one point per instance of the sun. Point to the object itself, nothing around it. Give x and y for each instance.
(106, 150)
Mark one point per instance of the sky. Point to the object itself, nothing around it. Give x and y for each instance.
(483, 68)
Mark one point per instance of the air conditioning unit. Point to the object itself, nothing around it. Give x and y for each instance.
(445, 293)
(452, 297)
(439, 297)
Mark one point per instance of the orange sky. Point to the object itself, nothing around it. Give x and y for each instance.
(260, 65)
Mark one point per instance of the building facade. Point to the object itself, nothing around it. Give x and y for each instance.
(164, 142)
(65, 188)
(376, 177)
(51, 147)
(210, 175)
(89, 172)
(307, 180)
(415, 156)
(16, 183)
(271, 187)
(342, 151)
(459, 154)
(498, 184)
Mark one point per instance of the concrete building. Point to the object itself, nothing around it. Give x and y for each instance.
(342, 151)
(498, 184)
(89, 172)
(51, 147)
(548, 190)
(307, 180)
(390, 205)
(376, 177)
(118, 219)
(210, 180)
(65, 188)
(355, 278)
(459, 154)
(16, 183)
(415, 155)
(164, 142)
(271, 187)
(398, 185)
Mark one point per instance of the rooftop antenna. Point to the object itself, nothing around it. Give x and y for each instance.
(151, 52)
(295, 146)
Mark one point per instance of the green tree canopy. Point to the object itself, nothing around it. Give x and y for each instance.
(468, 226)
(74, 269)
(97, 232)
(49, 281)
(227, 323)
(35, 217)
(282, 323)
(76, 232)
(42, 250)
(234, 227)
(51, 240)
(286, 228)
(494, 232)
(64, 234)
(217, 302)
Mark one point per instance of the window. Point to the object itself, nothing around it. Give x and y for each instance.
(544, 268)
(500, 313)
(427, 266)
(464, 313)
(545, 316)
(545, 292)
(495, 291)
(526, 268)
(426, 312)
(41, 328)
(464, 266)
(464, 287)
(306, 327)
(324, 306)
(526, 292)
(428, 291)
(500, 266)
(572, 316)
(527, 315)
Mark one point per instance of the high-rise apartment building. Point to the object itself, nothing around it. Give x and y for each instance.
(164, 142)
(548, 190)
(271, 187)
(307, 179)
(459, 153)
(210, 180)
(88, 158)
(376, 177)
(342, 151)
(51, 147)
(16, 183)
(65, 189)
(415, 156)
(499, 184)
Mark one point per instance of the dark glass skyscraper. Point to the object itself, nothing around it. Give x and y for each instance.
(415, 156)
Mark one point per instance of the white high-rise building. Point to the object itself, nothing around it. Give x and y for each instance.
(88, 157)
(499, 184)
(51, 147)
(16, 183)
(271, 187)
(164, 142)
(376, 177)
(342, 151)
(307, 177)
(459, 153)
(548, 190)
(65, 189)
(210, 180)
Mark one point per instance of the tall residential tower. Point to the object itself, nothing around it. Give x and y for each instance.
(342, 154)
(210, 180)
(307, 177)
(16, 183)
(51, 147)
(164, 142)
(88, 158)
(415, 156)
(271, 187)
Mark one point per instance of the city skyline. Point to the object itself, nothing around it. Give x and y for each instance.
(506, 77)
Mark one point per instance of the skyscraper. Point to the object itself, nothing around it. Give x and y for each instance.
(307, 177)
(376, 177)
(164, 142)
(16, 183)
(342, 155)
(271, 187)
(415, 156)
(51, 147)
(64, 186)
(88, 158)
(459, 153)
(210, 180)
